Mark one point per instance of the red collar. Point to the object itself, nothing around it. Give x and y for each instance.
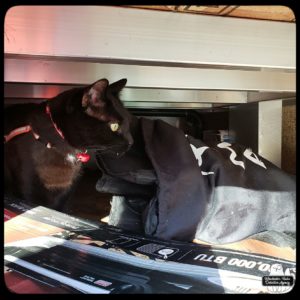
(48, 112)
(16, 132)
(81, 156)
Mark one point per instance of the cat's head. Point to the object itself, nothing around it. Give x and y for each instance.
(94, 117)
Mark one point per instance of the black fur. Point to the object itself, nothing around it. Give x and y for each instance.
(45, 176)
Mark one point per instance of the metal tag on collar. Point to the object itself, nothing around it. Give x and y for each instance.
(84, 157)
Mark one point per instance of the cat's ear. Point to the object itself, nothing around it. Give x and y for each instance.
(95, 95)
(117, 86)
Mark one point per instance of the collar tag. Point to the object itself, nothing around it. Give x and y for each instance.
(83, 157)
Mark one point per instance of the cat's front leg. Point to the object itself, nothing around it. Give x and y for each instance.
(61, 202)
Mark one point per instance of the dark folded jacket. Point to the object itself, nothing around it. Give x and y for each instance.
(219, 193)
(118, 186)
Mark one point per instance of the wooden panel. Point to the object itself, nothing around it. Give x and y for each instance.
(262, 12)
(289, 136)
(278, 13)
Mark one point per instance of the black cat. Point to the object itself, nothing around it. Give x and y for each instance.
(46, 143)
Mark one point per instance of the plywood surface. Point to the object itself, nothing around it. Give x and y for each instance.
(262, 12)
(288, 159)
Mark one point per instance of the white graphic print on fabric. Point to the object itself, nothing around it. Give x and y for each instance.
(198, 152)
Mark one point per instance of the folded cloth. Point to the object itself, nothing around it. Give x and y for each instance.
(118, 186)
(218, 193)
(126, 213)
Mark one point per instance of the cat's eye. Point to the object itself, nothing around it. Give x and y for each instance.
(114, 127)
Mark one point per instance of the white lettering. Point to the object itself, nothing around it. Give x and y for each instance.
(198, 153)
(248, 154)
(233, 155)
(207, 173)
(220, 259)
